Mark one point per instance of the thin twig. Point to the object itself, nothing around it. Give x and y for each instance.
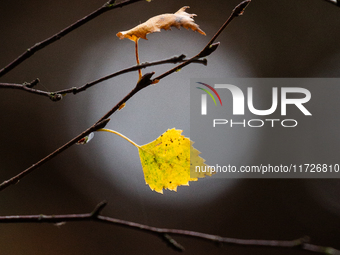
(172, 60)
(142, 83)
(16, 178)
(211, 46)
(164, 233)
(110, 5)
(25, 88)
(58, 95)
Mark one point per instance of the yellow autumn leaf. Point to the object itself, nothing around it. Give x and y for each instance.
(178, 19)
(169, 161)
(166, 161)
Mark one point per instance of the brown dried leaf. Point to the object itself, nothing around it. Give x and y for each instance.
(164, 21)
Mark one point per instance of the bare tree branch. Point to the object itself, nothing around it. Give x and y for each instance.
(164, 233)
(58, 95)
(16, 178)
(173, 60)
(110, 5)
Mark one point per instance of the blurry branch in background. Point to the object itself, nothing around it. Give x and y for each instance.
(164, 233)
(58, 95)
(38, 46)
(336, 2)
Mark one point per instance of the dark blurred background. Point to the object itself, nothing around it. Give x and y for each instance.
(273, 39)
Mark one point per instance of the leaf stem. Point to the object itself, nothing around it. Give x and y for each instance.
(119, 134)
(137, 59)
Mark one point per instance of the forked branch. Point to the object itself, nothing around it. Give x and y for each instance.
(165, 233)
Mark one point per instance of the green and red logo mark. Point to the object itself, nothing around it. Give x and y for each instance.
(209, 93)
(204, 97)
